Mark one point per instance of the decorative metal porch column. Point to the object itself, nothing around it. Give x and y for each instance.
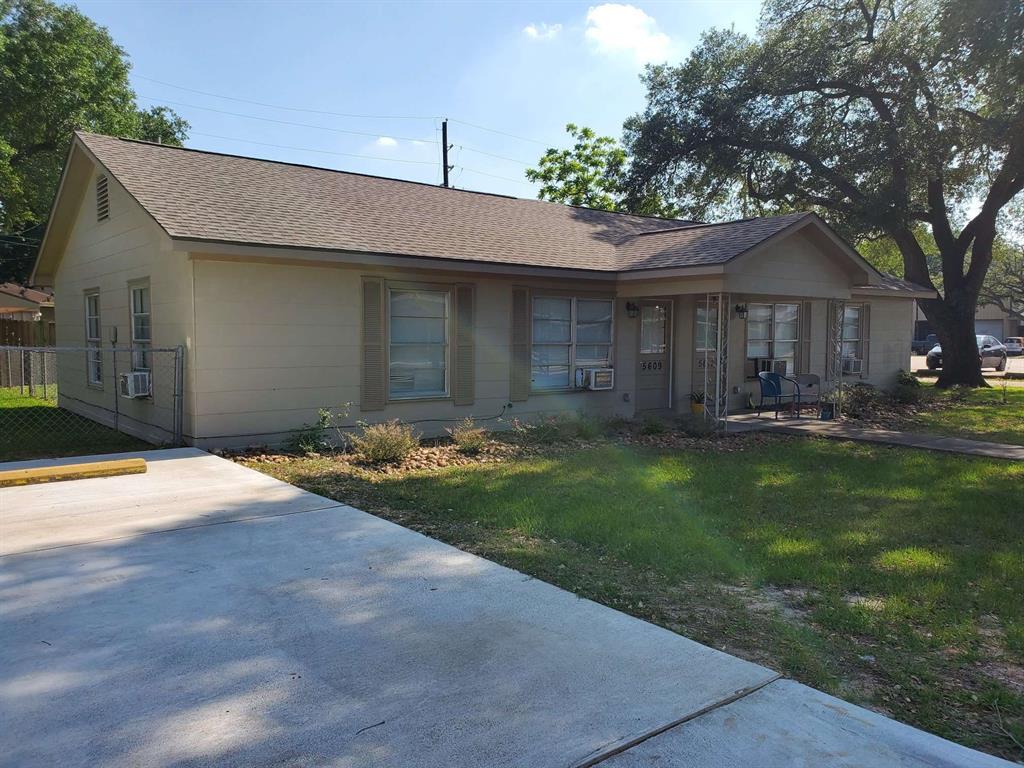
(716, 367)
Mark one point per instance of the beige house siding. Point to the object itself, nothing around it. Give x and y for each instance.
(259, 374)
(110, 255)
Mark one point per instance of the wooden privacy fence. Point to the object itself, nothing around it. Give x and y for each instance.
(27, 333)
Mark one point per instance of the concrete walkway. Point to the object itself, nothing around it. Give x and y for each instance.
(843, 430)
(204, 614)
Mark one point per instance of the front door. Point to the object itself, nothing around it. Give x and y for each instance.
(654, 379)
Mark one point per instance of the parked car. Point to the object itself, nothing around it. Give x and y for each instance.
(1014, 345)
(923, 346)
(990, 350)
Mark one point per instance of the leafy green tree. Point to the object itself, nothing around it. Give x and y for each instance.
(885, 115)
(587, 174)
(592, 174)
(59, 71)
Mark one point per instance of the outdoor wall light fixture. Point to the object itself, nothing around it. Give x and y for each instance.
(632, 310)
(741, 311)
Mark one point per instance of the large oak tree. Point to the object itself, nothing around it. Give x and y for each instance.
(59, 71)
(884, 115)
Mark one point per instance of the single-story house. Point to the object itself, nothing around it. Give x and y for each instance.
(989, 320)
(294, 288)
(29, 315)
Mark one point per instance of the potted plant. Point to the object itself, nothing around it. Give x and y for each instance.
(697, 402)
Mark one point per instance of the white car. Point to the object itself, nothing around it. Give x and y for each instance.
(1014, 345)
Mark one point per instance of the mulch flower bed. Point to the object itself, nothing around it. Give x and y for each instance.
(509, 446)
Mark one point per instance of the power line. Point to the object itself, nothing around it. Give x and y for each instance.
(343, 114)
(319, 151)
(495, 176)
(286, 122)
(491, 154)
(290, 109)
(504, 133)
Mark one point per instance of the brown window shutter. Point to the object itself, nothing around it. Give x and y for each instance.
(519, 384)
(464, 374)
(373, 389)
(865, 334)
(805, 337)
(830, 330)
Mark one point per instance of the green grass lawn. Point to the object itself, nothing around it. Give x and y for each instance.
(34, 428)
(995, 414)
(893, 578)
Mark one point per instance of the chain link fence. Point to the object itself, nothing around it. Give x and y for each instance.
(68, 401)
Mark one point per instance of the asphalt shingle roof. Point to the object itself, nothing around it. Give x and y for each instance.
(207, 196)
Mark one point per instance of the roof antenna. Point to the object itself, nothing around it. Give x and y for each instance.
(445, 146)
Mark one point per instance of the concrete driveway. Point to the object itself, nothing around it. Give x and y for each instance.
(205, 614)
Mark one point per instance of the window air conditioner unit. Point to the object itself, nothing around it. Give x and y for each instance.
(596, 379)
(852, 366)
(135, 384)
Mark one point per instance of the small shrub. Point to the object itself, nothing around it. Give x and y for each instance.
(316, 436)
(386, 443)
(861, 401)
(467, 436)
(652, 426)
(907, 390)
(694, 425)
(587, 426)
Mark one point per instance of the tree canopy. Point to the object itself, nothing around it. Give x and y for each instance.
(592, 173)
(588, 174)
(59, 71)
(884, 115)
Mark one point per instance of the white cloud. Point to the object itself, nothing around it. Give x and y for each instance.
(542, 31)
(386, 141)
(615, 28)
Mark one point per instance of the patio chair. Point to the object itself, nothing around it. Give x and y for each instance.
(771, 389)
(809, 386)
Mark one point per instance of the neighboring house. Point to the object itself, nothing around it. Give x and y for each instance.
(295, 288)
(29, 315)
(989, 320)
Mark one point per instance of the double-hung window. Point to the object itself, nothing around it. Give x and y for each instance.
(707, 328)
(569, 333)
(142, 329)
(853, 335)
(418, 343)
(773, 332)
(93, 339)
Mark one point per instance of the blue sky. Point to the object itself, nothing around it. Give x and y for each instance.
(521, 68)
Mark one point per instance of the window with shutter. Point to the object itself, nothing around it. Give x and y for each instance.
(373, 375)
(464, 374)
(519, 384)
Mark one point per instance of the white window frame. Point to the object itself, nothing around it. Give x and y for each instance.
(573, 342)
(859, 340)
(94, 356)
(710, 323)
(446, 291)
(771, 341)
(139, 347)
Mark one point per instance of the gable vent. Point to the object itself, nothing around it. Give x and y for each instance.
(102, 199)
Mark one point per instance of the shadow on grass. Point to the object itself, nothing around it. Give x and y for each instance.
(909, 559)
(34, 431)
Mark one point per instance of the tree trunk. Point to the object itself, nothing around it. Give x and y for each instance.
(952, 319)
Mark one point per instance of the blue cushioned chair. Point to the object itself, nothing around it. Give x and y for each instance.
(771, 390)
